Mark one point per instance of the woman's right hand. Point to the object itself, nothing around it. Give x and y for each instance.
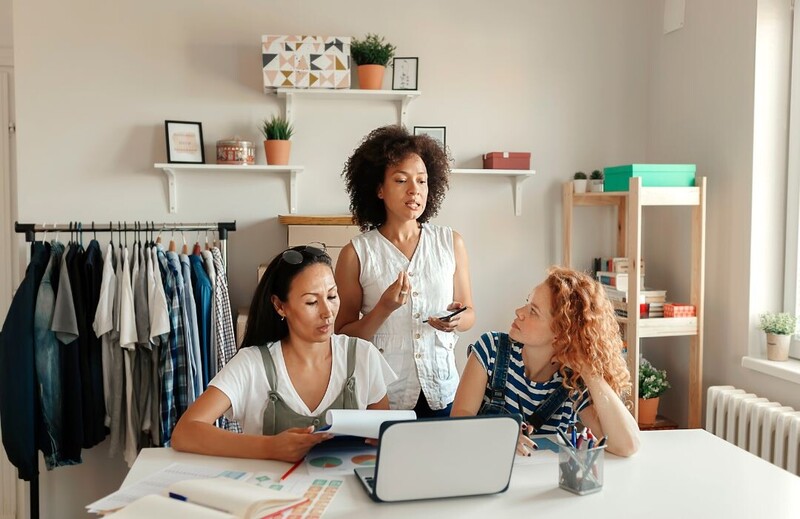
(397, 294)
(292, 444)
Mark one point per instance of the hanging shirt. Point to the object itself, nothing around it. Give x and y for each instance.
(65, 324)
(17, 370)
(168, 369)
(421, 355)
(183, 381)
(226, 341)
(103, 325)
(192, 332)
(159, 339)
(92, 279)
(203, 296)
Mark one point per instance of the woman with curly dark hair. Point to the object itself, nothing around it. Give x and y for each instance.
(560, 361)
(397, 278)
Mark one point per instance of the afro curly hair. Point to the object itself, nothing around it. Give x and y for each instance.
(387, 146)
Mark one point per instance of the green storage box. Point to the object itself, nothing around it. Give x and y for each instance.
(653, 175)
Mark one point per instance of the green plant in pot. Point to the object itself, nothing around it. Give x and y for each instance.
(579, 182)
(779, 328)
(372, 55)
(596, 181)
(652, 384)
(277, 132)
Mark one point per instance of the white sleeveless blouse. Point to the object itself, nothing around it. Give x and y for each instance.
(421, 356)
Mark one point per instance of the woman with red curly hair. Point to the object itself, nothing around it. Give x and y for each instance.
(561, 361)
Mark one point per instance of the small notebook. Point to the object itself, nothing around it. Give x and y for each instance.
(215, 498)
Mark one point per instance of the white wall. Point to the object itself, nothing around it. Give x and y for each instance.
(564, 80)
(701, 106)
(6, 34)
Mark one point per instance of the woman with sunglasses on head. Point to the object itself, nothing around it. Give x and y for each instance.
(290, 370)
(560, 362)
(398, 278)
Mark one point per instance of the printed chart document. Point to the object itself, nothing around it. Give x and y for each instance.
(365, 423)
(213, 498)
(319, 490)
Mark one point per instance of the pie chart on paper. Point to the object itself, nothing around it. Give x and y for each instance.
(325, 462)
(365, 460)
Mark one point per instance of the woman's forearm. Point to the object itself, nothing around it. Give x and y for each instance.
(205, 438)
(615, 420)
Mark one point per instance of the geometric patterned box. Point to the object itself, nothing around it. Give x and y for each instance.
(305, 61)
(679, 310)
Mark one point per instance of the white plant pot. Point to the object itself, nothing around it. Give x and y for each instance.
(579, 185)
(778, 346)
(596, 186)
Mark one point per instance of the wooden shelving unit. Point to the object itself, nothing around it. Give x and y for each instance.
(629, 207)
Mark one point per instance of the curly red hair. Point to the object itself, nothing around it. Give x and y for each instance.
(585, 330)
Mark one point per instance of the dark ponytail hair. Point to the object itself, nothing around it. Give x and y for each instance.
(264, 324)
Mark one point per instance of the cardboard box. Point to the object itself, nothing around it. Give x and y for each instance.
(305, 61)
(653, 175)
(679, 310)
(507, 160)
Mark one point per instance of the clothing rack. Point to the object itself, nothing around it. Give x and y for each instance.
(31, 229)
(221, 228)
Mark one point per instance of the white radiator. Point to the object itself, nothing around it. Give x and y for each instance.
(767, 429)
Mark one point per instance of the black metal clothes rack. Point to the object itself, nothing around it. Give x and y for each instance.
(31, 229)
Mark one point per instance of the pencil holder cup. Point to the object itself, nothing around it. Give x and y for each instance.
(580, 471)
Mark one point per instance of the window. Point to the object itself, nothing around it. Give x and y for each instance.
(792, 254)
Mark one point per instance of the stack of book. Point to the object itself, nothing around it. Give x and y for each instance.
(614, 265)
(654, 297)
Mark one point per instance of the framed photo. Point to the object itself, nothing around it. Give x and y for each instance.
(184, 142)
(437, 133)
(404, 73)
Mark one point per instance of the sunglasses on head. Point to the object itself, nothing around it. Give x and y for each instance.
(295, 256)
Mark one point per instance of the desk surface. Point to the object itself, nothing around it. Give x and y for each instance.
(682, 473)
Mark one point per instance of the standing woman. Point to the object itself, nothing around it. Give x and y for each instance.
(402, 273)
(291, 370)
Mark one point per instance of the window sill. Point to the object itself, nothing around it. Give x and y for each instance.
(788, 370)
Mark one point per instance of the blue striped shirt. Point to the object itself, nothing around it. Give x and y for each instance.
(521, 391)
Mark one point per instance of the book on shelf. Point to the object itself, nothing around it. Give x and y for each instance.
(211, 498)
(651, 295)
(618, 280)
(615, 265)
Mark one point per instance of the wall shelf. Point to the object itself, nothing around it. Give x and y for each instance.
(517, 176)
(170, 170)
(403, 97)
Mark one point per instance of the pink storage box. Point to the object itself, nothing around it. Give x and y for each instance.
(507, 160)
(679, 310)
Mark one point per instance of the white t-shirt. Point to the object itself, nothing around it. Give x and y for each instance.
(244, 381)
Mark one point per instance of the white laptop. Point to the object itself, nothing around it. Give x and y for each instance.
(442, 457)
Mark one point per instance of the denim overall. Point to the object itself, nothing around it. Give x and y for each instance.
(278, 416)
(494, 398)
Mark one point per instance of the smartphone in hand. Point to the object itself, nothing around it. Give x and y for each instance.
(449, 316)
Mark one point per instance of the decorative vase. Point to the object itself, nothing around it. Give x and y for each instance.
(580, 185)
(648, 410)
(370, 77)
(778, 346)
(277, 152)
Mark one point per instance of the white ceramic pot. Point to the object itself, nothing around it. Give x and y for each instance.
(580, 185)
(778, 346)
(596, 186)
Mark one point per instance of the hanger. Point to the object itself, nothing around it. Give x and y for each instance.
(44, 238)
(196, 250)
(172, 240)
(111, 231)
(94, 232)
(58, 233)
(208, 247)
(185, 248)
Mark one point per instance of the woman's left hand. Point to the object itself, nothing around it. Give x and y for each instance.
(449, 325)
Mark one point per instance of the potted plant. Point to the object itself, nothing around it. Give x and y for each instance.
(779, 328)
(579, 182)
(596, 181)
(652, 384)
(277, 131)
(372, 55)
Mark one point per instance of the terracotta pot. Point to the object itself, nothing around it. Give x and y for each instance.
(277, 152)
(370, 77)
(579, 185)
(778, 346)
(648, 410)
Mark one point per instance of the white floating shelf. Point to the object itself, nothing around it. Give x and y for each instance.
(404, 97)
(517, 176)
(171, 169)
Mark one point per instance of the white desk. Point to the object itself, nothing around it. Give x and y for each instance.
(676, 474)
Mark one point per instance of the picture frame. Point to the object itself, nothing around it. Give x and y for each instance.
(184, 142)
(437, 133)
(405, 72)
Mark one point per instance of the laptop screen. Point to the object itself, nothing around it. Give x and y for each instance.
(448, 457)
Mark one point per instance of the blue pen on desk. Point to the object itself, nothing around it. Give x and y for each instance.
(563, 436)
